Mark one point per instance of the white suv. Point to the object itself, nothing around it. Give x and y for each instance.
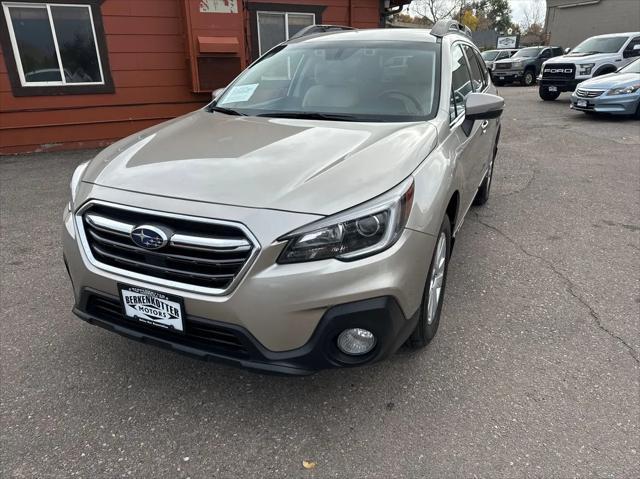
(595, 56)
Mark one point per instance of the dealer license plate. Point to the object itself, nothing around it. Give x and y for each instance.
(582, 103)
(553, 88)
(501, 78)
(152, 307)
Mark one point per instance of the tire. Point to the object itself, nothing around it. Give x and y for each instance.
(498, 83)
(637, 115)
(427, 326)
(529, 78)
(547, 95)
(482, 195)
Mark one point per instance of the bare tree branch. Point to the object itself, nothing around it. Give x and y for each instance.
(434, 10)
(533, 14)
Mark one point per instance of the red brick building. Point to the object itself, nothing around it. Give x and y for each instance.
(83, 73)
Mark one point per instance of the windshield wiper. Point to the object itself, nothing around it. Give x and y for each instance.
(310, 115)
(221, 109)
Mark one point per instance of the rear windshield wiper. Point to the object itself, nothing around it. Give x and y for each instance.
(221, 109)
(310, 116)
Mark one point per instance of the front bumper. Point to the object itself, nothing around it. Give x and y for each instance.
(507, 75)
(561, 84)
(278, 307)
(234, 345)
(614, 104)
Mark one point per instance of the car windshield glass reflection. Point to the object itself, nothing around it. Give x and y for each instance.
(348, 81)
(600, 45)
(631, 68)
(490, 55)
(527, 53)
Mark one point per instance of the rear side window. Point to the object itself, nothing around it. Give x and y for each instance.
(477, 76)
(461, 84)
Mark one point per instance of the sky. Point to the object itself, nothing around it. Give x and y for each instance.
(518, 7)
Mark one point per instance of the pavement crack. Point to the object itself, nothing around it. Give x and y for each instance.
(571, 287)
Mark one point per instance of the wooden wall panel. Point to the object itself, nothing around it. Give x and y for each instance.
(149, 50)
(148, 57)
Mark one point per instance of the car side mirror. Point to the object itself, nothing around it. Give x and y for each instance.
(567, 50)
(216, 93)
(481, 106)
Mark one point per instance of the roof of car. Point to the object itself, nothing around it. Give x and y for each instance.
(375, 34)
(614, 35)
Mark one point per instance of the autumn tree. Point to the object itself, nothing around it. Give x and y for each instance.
(469, 19)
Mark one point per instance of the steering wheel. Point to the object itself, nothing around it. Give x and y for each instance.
(392, 93)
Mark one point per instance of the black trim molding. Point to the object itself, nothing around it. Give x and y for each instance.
(12, 68)
(254, 7)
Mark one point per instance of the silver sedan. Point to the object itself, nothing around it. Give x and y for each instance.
(616, 93)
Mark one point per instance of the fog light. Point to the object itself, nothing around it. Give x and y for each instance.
(356, 341)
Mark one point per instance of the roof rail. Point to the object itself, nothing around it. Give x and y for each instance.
(443, 27)
(312, 29)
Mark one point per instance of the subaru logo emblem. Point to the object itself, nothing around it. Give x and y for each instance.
(149, 237)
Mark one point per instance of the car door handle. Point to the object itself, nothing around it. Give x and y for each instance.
(484, 125)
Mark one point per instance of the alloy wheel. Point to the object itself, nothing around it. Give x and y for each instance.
(437, 278)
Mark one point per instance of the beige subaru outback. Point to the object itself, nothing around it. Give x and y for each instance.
(305, 218)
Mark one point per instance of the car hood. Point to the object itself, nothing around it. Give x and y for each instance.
(579, 58)
(612, 80)
(319, 167)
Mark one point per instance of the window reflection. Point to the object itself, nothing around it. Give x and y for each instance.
(63, 54)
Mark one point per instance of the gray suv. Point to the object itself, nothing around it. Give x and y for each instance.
(524, 66)
(302, 220)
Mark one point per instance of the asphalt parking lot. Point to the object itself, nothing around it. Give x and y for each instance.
(534, 373)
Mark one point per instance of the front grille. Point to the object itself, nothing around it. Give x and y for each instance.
(197, 333)
(197, 253)
(589, 93)
(562, 71)
(502, 66)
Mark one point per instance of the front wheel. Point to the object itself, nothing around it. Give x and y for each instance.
(547, 95)
(433, 295)
(529, 78)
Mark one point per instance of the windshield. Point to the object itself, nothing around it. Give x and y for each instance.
(490, 55)
(633, 67)
(530, 52)
(600, 45)
(351, 81)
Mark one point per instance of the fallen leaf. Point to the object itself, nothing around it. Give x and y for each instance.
(308, 464)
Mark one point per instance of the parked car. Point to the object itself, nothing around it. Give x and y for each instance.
(303, 219)
(615, 93)
(524, 66)
(490, 56)
(594, 57)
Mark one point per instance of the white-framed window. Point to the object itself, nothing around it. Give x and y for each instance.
(54, 44)
(276, 27)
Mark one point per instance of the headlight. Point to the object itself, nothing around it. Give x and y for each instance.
(75, 181)
(517, 63)
(625, 90)
(361, 231)
(585, 68)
